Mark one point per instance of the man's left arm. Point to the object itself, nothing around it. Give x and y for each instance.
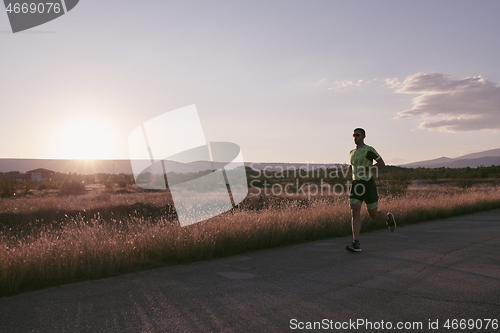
(373, 155)
(377, 166)
(380, 163)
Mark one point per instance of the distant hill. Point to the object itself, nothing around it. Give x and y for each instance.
(86, 167)
(83, 167)
(435, 163)
(486, 153)
(486, 158)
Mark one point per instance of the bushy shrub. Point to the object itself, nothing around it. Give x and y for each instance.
(398, 183)
(465, 181)
(47, 185)
(72, 187)
(7, 188)
(27, 187)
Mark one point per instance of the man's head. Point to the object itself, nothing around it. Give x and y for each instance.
(359, 136)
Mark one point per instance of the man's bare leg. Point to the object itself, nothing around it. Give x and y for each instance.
(381, 215)
(356, 220)
(378, 215)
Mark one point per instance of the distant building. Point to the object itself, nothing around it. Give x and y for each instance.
(40, 174)
(36, 175)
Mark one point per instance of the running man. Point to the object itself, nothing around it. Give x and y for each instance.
(364, 188)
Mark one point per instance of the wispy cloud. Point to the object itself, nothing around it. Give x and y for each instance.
(392, 82)
(344, 85)
(468, 104)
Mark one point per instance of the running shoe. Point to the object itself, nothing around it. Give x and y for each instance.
(391, 223)
(353, 247)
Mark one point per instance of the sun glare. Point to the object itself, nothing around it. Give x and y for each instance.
(86, 137)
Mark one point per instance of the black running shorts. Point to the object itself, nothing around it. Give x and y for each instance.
(364, 190)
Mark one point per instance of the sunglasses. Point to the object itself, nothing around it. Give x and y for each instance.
(356, 135)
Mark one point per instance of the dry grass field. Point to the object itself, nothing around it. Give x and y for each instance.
(47, 239)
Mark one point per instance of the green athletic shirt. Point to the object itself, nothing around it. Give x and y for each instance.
(362, 158)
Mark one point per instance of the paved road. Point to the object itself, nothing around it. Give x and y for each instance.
(436, 270)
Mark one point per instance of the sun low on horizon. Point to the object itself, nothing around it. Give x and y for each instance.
(85, 137)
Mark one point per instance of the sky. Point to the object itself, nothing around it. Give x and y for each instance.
(287, 81)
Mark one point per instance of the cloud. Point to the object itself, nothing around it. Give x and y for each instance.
(392, 82)
(346, 85)
(468, 104)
